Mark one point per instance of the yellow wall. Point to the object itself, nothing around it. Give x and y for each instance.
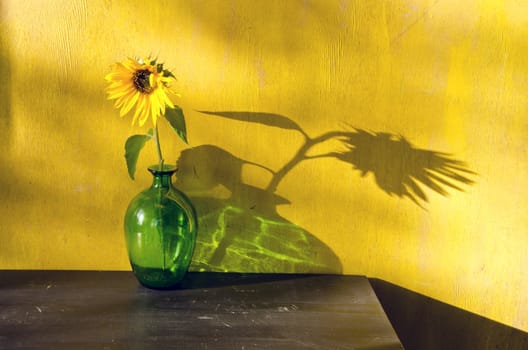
(448, 76)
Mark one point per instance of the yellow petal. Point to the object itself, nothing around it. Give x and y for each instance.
(124, 98)
(110, 76)
(145, 113)
(162, 106)
(154, 107)
(139, 108)
(166, 99)
(167, 80)
(169, 90)
(132, 99)
(117, 85)
(130, 64)
(151, 80)
(119, 93)
(118, 102)
(160, 96)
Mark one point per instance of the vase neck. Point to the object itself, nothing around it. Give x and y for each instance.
(162, 178)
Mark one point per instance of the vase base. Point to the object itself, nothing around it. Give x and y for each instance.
(158, 278)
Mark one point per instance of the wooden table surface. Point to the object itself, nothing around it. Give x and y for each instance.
(110, 310)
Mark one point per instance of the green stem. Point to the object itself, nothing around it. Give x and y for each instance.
(158, 147)
(160, 159)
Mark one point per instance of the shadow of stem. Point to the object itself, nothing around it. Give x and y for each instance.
(399, 168)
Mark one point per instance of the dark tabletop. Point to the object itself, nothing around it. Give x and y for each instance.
(110, 310)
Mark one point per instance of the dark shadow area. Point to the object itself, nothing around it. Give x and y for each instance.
(240, 228)
(398, 167)
(423, 323)
(401, 169)
(200, 280)
(47, 279)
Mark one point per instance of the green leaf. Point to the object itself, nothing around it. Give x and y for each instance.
(133, 145)
(177, 121)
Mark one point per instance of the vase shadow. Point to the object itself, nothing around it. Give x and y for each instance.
(239, 227)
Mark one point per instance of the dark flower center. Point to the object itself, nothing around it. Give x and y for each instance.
(141, 81)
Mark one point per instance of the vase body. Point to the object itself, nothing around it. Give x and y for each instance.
(160, 231)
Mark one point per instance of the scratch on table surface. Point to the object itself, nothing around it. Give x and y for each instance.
(287, 308)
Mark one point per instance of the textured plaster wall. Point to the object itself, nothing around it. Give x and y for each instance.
(444, 76)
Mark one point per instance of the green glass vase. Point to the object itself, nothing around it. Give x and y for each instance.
(160, 231)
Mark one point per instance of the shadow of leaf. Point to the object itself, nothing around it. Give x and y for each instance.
(400, 168)
(268, 119)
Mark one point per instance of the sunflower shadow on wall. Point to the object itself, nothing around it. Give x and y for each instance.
(240, 228)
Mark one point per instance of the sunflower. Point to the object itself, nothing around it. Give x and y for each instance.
(143, 83)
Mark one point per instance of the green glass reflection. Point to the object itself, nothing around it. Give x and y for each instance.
(160, 232)
(236, 239)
